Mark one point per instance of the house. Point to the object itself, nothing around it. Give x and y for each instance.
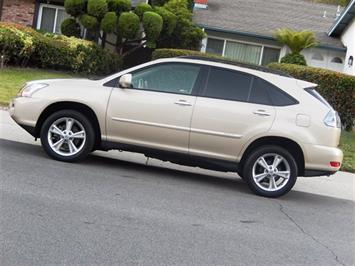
(244, 30)
(239, 29)
(344, 28)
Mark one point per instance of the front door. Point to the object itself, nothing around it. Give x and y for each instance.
(156, 112)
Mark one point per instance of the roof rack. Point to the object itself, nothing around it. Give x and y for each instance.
(234, 63)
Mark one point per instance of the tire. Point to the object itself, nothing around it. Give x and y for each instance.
(67, 136)
(284, 174)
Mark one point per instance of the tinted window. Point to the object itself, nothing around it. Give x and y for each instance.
(259, 93)
(174, 78)
(228, 85)
(264, 92)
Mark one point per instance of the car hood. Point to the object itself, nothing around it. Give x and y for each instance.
(60, 81)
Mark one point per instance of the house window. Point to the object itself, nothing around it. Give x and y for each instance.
(214, 46)
(243, 52)
(50, 17)
(337, 60)
(270, 55)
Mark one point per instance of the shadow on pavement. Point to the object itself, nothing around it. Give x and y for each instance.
(133, 170)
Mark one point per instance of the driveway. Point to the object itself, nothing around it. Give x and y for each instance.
(120, 208)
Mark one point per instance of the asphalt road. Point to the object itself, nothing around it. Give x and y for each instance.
(107, 211)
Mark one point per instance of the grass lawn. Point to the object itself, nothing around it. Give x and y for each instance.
(11, 80)
(347, 144)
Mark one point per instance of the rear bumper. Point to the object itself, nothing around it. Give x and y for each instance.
(318, 158)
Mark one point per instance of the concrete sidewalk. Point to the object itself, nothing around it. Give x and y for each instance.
(341, 185)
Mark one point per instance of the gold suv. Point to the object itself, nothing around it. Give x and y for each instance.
(267, 127)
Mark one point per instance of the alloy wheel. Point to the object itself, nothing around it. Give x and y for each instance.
(66, 136)
(271, 172)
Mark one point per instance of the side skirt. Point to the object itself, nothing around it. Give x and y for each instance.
(173, 157)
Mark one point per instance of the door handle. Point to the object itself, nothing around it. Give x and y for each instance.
(261, 112)
(183, 103)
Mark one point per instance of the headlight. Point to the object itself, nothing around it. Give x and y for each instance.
(29, 89)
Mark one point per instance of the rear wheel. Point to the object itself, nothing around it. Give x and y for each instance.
(67, 135)
(270, 171)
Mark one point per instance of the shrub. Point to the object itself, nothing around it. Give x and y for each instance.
(25, 46)
(294, 58)
(89, 22)
(128, 25)
(167, 53)
(159, 2)
(97, 8)
(119, 6)
(169, 20)
(142, 8)
(70, 28)
(153, 24)
(75, 7)
(109, 22)
(337, 88)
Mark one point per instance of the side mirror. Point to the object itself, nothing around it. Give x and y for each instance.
(125, 81)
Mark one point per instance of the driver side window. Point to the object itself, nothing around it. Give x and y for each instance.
(176, 78)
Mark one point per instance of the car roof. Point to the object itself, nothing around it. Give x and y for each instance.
(238, 64)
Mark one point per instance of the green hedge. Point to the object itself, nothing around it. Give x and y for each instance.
(337, 88)
(23, 46)
(167, 53)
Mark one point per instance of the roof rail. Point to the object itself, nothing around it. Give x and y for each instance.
(234, 63)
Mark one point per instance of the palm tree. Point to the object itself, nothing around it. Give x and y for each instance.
(296, 41)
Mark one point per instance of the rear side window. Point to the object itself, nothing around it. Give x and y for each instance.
(312, 91)
(263, 92)
(259, 92)
(227, 85)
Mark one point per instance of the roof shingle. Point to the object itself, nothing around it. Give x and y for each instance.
(263, 17)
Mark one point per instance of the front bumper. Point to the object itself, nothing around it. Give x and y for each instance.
(318, 158)
(25, 111)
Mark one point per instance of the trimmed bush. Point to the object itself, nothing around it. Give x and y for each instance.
(141, 9)
(119, 6)
(97, 8)
(70, 28)
(294, 58)
(153, 24)
(337, 88)
(109, 22)
(169, 20)
(128, 25)
(75, 7)
(27, 47)
(168, 53)
(89, 22)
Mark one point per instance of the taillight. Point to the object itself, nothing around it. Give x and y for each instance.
(332, 119)
(335, 164)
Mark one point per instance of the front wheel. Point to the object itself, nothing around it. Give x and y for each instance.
(67, 135)
(270, 171)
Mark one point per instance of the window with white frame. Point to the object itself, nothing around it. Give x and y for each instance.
(50, 17)
(243, 52)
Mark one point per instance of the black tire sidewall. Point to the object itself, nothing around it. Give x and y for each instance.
(90, 135)
(248, 168)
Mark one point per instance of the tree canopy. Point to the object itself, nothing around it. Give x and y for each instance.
(165, 23)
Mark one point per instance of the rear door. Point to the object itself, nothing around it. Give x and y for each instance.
(229, 110)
